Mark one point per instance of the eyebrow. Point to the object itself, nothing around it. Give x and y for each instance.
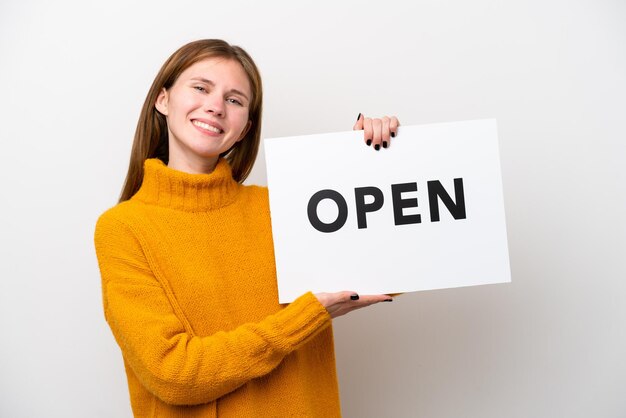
(212, 84)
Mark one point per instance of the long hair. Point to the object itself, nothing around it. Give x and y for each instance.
(151, 135)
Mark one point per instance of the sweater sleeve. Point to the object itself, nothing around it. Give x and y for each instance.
(170, 361)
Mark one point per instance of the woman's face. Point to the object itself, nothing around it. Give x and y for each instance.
(207, 112)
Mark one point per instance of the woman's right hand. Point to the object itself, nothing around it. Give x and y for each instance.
(341, 303)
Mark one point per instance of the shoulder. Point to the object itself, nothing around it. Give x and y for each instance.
(253, 200)
(116, 220)
(119, 212)
(255, 193)
(255, 189)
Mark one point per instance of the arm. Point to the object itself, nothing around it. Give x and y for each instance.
(170, 361)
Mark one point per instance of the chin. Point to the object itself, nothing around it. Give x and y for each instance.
(208, 152)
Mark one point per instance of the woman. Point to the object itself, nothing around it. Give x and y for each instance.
(187, 262)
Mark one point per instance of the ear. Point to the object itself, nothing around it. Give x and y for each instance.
(161, 102)
(245, 131)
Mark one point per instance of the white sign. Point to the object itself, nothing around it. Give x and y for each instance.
(425, 213)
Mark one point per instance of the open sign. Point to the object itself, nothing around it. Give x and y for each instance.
(425, 213)
(436, 192)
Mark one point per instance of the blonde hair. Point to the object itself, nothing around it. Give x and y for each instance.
(151, 135)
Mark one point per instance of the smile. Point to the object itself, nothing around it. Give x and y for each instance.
(207, 126)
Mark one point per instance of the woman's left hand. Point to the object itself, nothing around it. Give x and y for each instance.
(377, 132)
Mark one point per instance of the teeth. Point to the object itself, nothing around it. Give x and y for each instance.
(207, 126)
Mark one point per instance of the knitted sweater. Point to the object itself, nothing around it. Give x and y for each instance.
(189, 291)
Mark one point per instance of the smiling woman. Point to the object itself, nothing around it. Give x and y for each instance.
(187, 262)
(205, 118)
(153, 134)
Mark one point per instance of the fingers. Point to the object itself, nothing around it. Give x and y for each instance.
(370, 300)
(377, 128)
(368, 132)
(340, 303)
(362, 302)
(385, 131)
(377, 132)
(331, 299)
(393, 126)
(359, 123)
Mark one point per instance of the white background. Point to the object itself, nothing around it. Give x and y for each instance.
(73, 76)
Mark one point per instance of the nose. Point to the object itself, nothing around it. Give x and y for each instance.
(214, 104)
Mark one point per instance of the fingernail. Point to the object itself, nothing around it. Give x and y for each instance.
(377, 147)
(384, 144)
(369, 142)
(354, 297)
(358, 117)
(393, 134)
(388, 300)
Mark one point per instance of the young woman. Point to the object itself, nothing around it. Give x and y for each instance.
(187, 262)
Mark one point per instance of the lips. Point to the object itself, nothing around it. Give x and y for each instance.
(208, 126)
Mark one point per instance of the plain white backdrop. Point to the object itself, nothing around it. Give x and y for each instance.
(73, 77)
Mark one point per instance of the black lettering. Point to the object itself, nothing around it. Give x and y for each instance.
(342, 216)
(399, 203)
(362, 208)
(435, 190)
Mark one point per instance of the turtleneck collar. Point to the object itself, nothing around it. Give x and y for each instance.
(166, 187)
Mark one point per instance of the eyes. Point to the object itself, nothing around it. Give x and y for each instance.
(232, 100)
(235, 101)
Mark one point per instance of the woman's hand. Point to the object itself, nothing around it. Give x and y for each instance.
(341, 303)
(377, 132)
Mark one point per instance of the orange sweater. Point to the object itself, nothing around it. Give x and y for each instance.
(189, 291)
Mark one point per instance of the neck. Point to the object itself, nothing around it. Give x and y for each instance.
(191, 164)
(168, 187)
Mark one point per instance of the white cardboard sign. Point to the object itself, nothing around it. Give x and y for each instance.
(425, 213)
